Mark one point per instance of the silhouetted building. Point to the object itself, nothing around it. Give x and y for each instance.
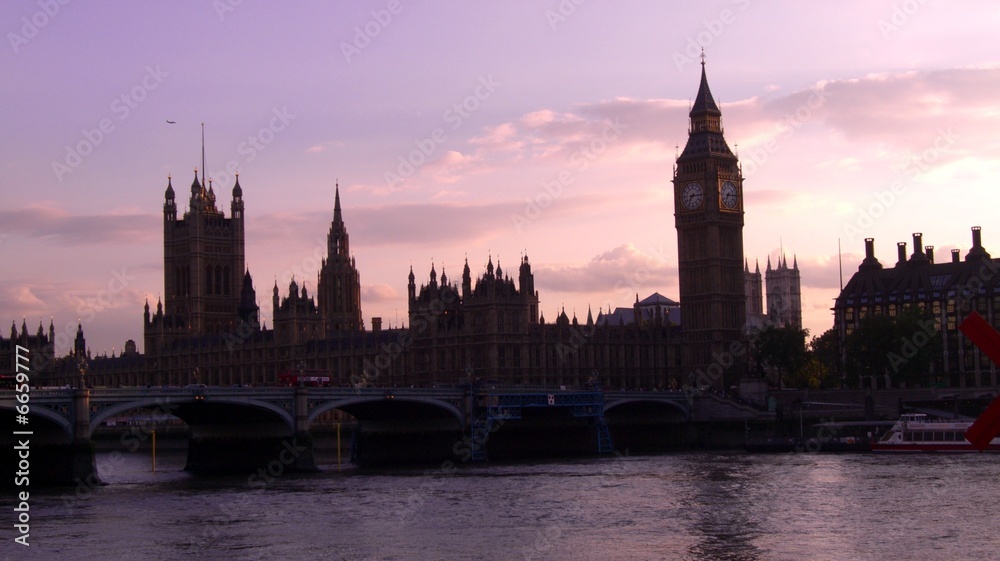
(949, 290)
(339, 281)
(784, 295)
(203, 256)
(708, 215)
(492, 331)
(40, 346)
(296, 317)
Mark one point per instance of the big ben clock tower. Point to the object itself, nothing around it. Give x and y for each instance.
(708, 214)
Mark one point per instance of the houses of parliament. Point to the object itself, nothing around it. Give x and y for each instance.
(486, 324)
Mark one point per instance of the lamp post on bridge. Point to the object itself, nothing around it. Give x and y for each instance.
(81, 368)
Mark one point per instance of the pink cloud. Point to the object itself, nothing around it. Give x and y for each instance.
(623, 268)
(378, 293)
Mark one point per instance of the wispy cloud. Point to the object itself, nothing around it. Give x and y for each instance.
(59, 226)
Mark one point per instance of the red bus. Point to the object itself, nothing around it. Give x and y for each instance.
(306, 378)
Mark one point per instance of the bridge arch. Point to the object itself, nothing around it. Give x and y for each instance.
(646, 401)
(346, 405)
(62, 423)
(172, 406)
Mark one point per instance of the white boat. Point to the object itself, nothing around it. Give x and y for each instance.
(916, 432)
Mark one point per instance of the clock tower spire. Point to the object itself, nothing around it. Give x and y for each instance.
(708, 215)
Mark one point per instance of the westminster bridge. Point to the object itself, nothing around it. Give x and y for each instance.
(252, 428)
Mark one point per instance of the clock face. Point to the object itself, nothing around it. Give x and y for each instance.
(692, 195)
(730, 195)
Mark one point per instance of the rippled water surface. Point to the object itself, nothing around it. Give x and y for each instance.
(691, 506)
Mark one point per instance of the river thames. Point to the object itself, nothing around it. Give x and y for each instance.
(689, 506)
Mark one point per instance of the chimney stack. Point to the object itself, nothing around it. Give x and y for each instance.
(977, 251)
(917, 241)
(870, 262)
(901, 250)
(929, 252)
(956, 255)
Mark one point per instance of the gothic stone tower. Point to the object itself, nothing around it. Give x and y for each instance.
(784, 294)
(708, 215)
(339, 281)
(203, 256)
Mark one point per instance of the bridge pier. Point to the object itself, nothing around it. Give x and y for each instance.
(80, 462)
(264, 449)
(54, 461)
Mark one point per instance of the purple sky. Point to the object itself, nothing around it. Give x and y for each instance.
(852, 119)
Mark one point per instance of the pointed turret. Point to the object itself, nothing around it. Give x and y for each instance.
(704, 103)
(526, 280)
(249, 311)
(169, 203)
(274, 298)
(236, 207)
(467, 280)
(411, 287)
(80, 343)
(337, 216)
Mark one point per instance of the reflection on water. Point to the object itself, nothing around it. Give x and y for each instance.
(727, 530)
(692, 506)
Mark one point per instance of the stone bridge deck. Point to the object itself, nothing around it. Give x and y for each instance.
(257, 423)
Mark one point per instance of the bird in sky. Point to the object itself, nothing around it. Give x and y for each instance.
(171, 122)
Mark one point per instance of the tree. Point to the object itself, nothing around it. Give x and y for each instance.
(918, 342)
(780, 351)
(825, 352)
(866, 350)
(897, 349)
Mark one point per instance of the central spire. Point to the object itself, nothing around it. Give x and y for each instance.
(337, 217)
(704, 103)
